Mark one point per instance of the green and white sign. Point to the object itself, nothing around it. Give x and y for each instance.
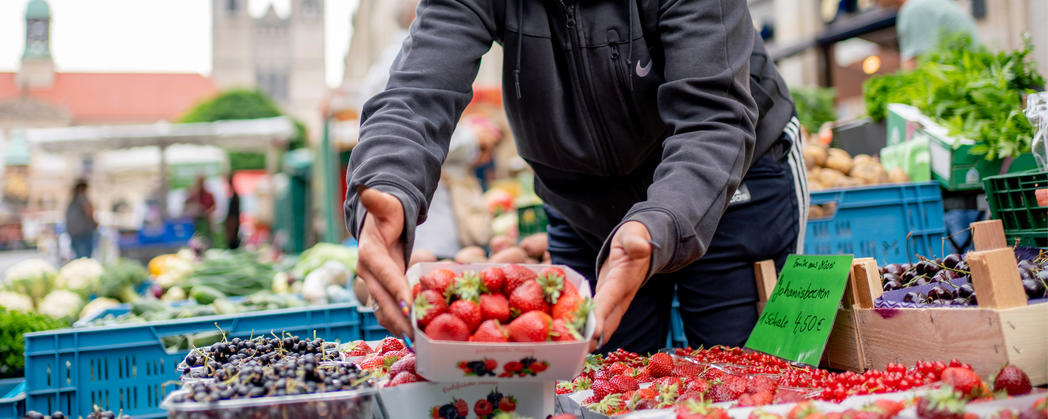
(800, 312)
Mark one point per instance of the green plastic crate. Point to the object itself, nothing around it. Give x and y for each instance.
(957, 169)
(1012, 199)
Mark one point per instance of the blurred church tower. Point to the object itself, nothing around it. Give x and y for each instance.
(282, 57)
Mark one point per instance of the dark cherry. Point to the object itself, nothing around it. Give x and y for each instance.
(913, 297)
(951, 260)
(894, 269)
(940, 293)
(966, 290)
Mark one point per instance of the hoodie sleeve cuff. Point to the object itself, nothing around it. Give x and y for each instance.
(662, 228)
(356, 214)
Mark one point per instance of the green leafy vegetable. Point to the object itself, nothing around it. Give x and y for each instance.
(12, 343)
(974, 93)
(815, 106)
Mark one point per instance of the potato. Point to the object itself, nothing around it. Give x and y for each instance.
(421, 256)
(815, 211)
(868, 173)
(830, 178)
(839, 160)
(848, 182)
(534, 245)
(471, 254)
(897, 175)
(814, 185)
(511, 255)
(500, 243)
(814, 154)
(862, 159)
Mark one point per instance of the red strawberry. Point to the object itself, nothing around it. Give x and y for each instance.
(508, 404)
(581, 383)
(356, 348)
(1012, 380)
(660, 365)
(438, 280)
(428, 305)
(403, 377)
(405, 364)
(963, 380)
(668, 382)
(447, 327)
(468, 311)
(802, 410)
(698, 385)
(415, 289)
(616, 368)
(483, 408)
(527, 297)
(644, 376)
(692, 409)
(553, 282)
(515, 276)
(493, 278)
(603, 388)
(391, 344)
(462, 407)
(466, 287)
(372, 362)
(941, 405)
(624, 383)
(761, 383)
(722, 393)
(890, 408)
(494, 306)
(760, 398)
(563, 332)
(489, 331)
(533, 326)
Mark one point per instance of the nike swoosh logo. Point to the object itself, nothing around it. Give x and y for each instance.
(643, 71)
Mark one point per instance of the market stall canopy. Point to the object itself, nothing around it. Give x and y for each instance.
(244, 134)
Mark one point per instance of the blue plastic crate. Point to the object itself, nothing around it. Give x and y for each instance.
(369, 326)
(12, 398)
(891, 223)
(127, 368)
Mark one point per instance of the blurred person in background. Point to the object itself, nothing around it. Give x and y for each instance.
(199, 206)
(80, 222)
(921, 25)
(232, 222)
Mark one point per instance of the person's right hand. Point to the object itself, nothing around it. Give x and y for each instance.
(381, 259)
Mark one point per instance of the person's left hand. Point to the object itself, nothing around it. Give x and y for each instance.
(619, 278)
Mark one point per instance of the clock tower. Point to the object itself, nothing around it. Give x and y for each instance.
(37, 69)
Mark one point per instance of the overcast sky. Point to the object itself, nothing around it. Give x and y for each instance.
(147, 35)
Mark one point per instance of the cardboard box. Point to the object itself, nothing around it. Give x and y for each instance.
(443, 361)
(422, 400)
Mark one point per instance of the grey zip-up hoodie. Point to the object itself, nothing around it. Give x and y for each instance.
(646, 110)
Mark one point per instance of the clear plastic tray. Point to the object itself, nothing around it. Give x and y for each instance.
(362, 403)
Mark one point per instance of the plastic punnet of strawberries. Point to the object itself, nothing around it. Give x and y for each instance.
(389, 358)
(500, 304)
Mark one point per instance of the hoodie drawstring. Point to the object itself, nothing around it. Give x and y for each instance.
(520, 44)
(629, 54)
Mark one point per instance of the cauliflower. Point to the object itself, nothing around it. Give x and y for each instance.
(15, 301)
(32, 277)
(80, 276)
(61, 304)
(331, 272)
(98, 305)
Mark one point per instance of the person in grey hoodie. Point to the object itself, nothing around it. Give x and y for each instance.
(662, 138)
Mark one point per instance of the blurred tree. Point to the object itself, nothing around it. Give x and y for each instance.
(814, 106)
(243, 104)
